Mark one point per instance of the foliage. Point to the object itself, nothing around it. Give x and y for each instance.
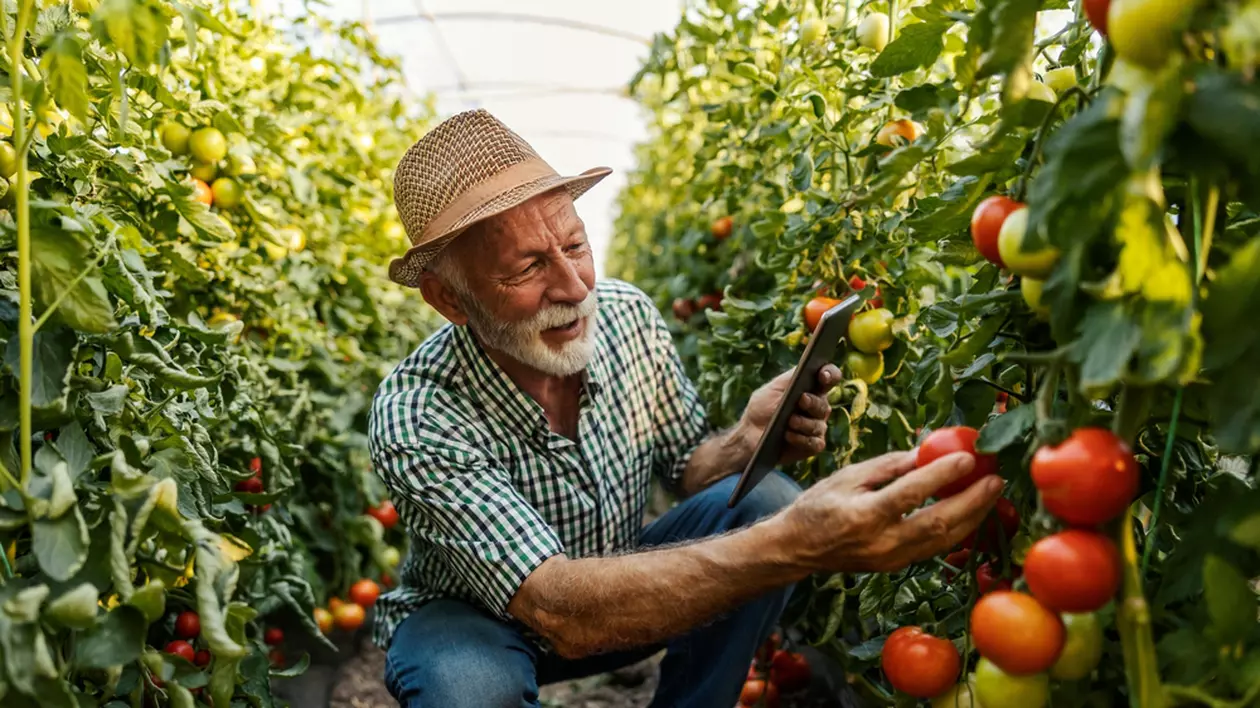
(181, 348)
(1143, 178)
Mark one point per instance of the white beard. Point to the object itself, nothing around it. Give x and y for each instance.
(523, 340)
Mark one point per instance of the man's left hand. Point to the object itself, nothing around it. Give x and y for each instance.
(806, 434)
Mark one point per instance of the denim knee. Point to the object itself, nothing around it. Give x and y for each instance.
(773, 493)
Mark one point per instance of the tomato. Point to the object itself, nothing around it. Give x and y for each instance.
(239, 164)
(1096, 11)
(877, 301)
(1073, 571)
(227, 193)
(684, 308)
(349, 616)
(273, 636)
(1064, 77)
(920, 664)
(8, 160)
(988, 579)
(1006, 524)
(815, 309)
(1088, 479)
(758, 692)
(207, 145)
(868, 367)
(871, 331)
(997, 689)
(1145, 32)
(722, 228)
(385, 513)
(986, 223)
(872, 31)
(253, 485)
(174, 137)
(856, 283)
(204, 171)
(789, 670)
(391, 557)
(813, 30)
(1031, 289)
(1016, 632)
(768, 647)
(962, 695)
(712, 301)
(335, 602)
(255, 466)
(1034, 264)
(202, 192)
(957, 559)
(1083, 649)
(276, 657)
(898, 132)
(944, 441)
(1038, 91)
(364, 593)
(202, 658)
(182, 649)
(752, 672)
(187, 625)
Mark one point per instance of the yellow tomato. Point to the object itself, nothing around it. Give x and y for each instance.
(873, 30)
(1011, 246)
(1031, 289)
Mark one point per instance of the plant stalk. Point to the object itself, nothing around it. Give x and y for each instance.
(26, 330)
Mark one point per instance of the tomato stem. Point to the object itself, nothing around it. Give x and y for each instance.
(26, 332)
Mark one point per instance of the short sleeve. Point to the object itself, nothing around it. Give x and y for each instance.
(469, 513)
(679, 420)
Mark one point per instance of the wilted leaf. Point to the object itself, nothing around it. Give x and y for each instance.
(60, 545)
(116, 639)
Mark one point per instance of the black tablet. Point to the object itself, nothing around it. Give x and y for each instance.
(820, 351)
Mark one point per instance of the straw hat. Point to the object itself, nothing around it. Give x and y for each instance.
(468, 169)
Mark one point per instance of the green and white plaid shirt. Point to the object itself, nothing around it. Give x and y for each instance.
(488, 492)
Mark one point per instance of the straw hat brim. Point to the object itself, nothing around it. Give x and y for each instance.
(407, 269)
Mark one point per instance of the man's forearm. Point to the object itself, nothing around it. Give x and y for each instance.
(719, 456)
(605, 604)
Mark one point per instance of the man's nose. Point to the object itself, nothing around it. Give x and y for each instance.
(570, 283)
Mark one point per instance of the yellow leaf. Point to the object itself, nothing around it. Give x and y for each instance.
(233, 547)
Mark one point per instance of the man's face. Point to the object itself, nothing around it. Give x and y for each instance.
(529, 285)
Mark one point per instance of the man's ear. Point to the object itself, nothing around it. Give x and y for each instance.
(442, 298)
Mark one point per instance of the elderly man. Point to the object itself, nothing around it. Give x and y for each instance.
(519, 444)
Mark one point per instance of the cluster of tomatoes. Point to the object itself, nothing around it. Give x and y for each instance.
(1025, 639)
(999, 229)
(254, 484)
(773, 670)
(870, 332)
(349, 616)
(208, 147)
(686, 308)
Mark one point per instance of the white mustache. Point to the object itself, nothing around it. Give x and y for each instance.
(561, 315)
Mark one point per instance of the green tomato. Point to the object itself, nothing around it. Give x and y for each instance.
(962, 695)
(997, 689)
(1038, 91)
(870, 332)
(872, 31)
(1061, 79)
(868, 367)
(1145, 31)
(227, 193)
(1082, 650)
(1033, 264)
(390, 557)
(207, 145)
(204, 171)
(175, 138)
(1031, 289)
(8, 160)
(813, 30)
(240, 164)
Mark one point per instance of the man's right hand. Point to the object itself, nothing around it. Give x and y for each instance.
(867, 517)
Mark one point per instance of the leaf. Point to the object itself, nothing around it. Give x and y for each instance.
(1006, 429)
(65, 74)
(803, 171)
(1230, 601)
(1108, 340)
(60, 545)
(1152, 111)
(1247, 532)
(1224, 110)
(1232, 344)
(52, 354)
(917, 46)
(206, 222)
(76, 449)
(137, 28)
(117, 639)
(1011, 38)
(75, 608)
(991, 157)
(925, 96)
(108, 402)
(57, 259)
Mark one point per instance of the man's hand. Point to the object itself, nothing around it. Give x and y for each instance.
(867, 517)
(806, 433)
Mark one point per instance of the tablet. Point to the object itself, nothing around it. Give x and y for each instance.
(820, 351)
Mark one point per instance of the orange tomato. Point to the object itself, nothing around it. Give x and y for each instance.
(349, 617)
(815, 309)
(364, 593)
(202, 192)
(1016, 632)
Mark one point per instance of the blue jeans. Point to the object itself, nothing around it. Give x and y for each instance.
(449, 654)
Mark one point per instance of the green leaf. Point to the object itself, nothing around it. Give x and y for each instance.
(65, 74)
(1006, 429)
(1108, 340)
(60, 545)
(1231, 345)
(75, 608)
(803, 171)
(137, 28)
(1224, 110)
(1011, 40)
(206, 222)
(1151, 112)
(1231, 603)
(917, 46)
(75, 448)
(57, 259)
(1247, 532)
(53, 351)
(116, 639)
(108, 402)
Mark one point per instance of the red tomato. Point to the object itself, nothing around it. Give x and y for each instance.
(722, 228)
(364, 593)
(768, 647)
(385, 513)
(756, 690)
(1073, 571)
(944, 441)
(986, 223)
(1016, 632)
(789, 670)
(712, 301)
(877, 301)
(255, 466)
(815, 309)
(856, 283)
(276, 657)
(1007, 524)
(919, 664)
(989, 579)
(752, 671)
(1096, 11)
(253, 485)
(187, 625)
(684, 308)
(273, 636)
(334, 602)
(202, 658)
(959, 560)
(1088, 479)
(181, 648)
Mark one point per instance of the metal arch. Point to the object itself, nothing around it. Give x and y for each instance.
(515, 17)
